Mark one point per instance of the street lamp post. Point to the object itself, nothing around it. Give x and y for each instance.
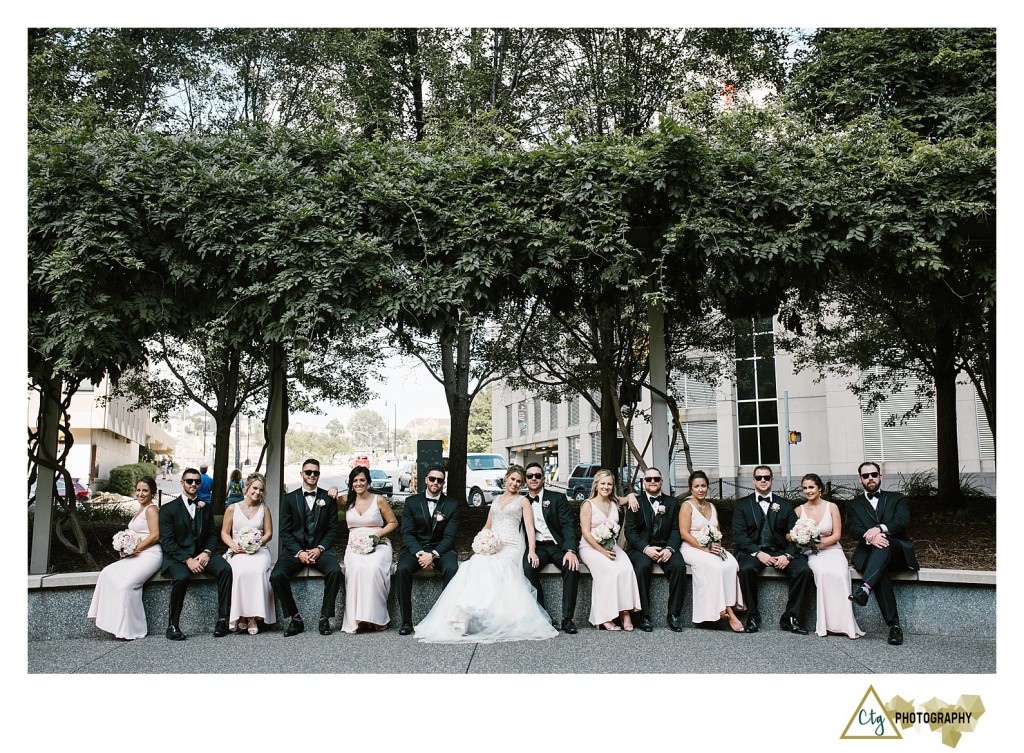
(394, 446)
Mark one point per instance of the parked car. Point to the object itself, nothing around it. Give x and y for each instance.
(582, 479)
(82, 493)
(405, 474)
(381, 483)
(361, 459)
(484, 474)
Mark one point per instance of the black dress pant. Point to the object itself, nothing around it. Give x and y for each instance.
(447, 564)
(675, 571)
(286, 568)
(549, 553)
(180, 578)
(876, 574)
(800, 580)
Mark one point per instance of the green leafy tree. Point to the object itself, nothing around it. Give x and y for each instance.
(480, 430)
(368, 430)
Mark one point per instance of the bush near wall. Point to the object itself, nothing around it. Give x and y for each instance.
(123, 478)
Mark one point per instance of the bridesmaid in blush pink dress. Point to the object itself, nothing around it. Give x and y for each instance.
(367, 576)
(829, 565)
(614, 590)
(252, 600)
(117, 601)
(716, 584)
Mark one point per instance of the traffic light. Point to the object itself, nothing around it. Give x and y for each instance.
(794, 437)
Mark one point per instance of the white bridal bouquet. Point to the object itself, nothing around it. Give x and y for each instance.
(363, 542)
(486, 542)
(606, 533)
(709, 535)
(249, 539)
(806, 534)
(125, 541)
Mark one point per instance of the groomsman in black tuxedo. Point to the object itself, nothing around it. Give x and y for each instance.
(309, 524)
(556, 543)
(879, 519)
(652, 536)
(430, 521)
(760, 522)
(187, 537)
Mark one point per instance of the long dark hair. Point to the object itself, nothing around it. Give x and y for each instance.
(351, 501)
(151, 483)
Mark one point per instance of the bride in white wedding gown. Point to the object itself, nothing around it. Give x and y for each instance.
(489, 599)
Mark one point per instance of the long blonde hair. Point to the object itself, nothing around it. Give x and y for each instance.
(601, 473)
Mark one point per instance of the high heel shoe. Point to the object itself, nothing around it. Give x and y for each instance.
(608, 626)
(253, 627)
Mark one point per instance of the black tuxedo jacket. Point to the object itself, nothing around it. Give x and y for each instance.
(644, 528)
(894, 514)
(747, 519)
(292, 527)
(178, 539)
(423, 532)
(558, 516)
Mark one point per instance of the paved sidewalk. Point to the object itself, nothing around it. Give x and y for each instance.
(661, 652)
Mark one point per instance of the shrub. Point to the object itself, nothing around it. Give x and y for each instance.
(122, 479)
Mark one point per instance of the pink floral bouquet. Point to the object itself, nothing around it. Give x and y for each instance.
(363, 542)
(249, 539)
(606, 533)
(806, 534)
(125, 541)
(486, 542)
(709, 535)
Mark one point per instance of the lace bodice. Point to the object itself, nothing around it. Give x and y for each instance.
(506, 522)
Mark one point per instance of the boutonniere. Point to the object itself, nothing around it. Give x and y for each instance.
(320, 503)
(660, 510)
(546, 503)
(200, 504)
(774, 507)
(438, 517)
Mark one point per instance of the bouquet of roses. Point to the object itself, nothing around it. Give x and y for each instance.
(709, 535)
(363, 542)
(806, 534)
(486, 542)
(249, 539)
(125, 541)
(606, 533)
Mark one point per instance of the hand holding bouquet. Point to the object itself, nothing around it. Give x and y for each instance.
(249, 540)
(806, 534)
(363, 542)
(125, 542)
(606, 533)
(709, 536)
(486, 542)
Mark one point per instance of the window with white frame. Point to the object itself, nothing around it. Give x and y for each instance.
(574, 411)
(574, 452)
(554, 415)
(757, 405)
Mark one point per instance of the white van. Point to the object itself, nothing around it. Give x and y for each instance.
(484, 474)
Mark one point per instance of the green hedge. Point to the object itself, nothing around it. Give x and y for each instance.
(123, 478)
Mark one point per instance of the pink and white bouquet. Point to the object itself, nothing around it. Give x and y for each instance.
(486, 542)
(363, 542)
(249, 539)
(709, 535)
(806, 534)
(606, 533)
(125, 541)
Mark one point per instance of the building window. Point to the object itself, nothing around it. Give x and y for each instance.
(594, 414)
(536, 416)
(886, 438)
(757, 406)
(508, 421)
(522, 418)
(554, 415)
(595, 447)
(574, 452)
(574, 411)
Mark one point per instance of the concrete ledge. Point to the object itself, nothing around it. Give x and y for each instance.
(932, 602)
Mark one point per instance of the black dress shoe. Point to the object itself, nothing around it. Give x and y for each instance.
(674, 623)
(859, 596)
(221, 628)
(295, 627)
(895, 635)
(174, 633)
(406, 629)
(556, 624)
(752, 625)
(645, 624)
(569, 626)
(791, 624)
(325, 626)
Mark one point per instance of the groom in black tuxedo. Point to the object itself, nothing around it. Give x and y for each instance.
(760, 522)
(309, 524)
(879, 519)
(429, 523)
(652, 536)
(187, 538)
(556, 543)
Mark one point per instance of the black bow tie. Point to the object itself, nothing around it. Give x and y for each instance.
(763, 499)
(532, 499)
(309, 495)
(873, 499)
(435, 500)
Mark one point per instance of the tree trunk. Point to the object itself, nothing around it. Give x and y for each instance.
(223, 417)
(455, 355)
(948, 450)
(412, 49)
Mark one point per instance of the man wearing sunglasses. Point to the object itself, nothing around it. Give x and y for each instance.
(187, 537)
(760, 522)
(879, 520)
(652, 537)
(430, 521)
(309, 525)
(556, 543)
